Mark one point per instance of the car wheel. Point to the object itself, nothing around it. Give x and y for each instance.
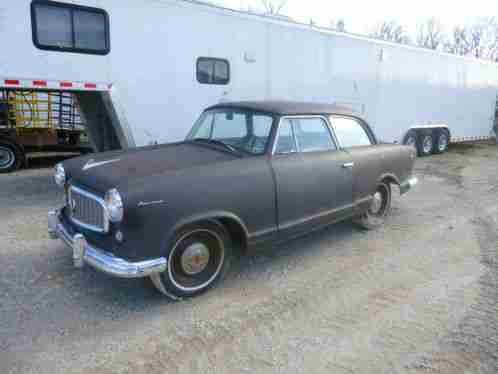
(411, 138)
(425, 144)
(199, 257)
(10, 157)
(379, 208)
(442, 140)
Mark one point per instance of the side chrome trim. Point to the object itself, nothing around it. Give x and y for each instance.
(85, 253)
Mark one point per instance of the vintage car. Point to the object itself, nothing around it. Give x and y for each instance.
(249, 174)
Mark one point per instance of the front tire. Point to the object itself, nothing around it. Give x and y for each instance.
(199, 257)
(379, 208)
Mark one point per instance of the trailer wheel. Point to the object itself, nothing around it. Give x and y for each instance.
(425, 144)
(442, 139)
(10, 156)
(411, 138)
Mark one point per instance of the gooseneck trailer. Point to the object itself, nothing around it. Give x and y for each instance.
(141, 71)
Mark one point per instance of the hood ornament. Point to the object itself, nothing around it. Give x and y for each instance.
(92, 164)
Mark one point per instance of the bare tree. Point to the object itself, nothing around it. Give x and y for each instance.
(274, 7)
(430, 35)
(458, 42)
(391, 31)
(479, 40)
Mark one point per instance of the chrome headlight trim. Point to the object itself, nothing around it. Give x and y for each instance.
(113, 204)
(60, 175)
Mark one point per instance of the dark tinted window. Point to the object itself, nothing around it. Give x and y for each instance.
(350, 133)
(71, 28)
(213, 71)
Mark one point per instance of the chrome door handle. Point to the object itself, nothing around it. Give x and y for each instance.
(348, 165)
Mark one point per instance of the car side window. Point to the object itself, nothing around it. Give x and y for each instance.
(286, 143)
(350, 133)
(312, 134)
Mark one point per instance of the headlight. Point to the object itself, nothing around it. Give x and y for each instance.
(114, 205)
(60, 175)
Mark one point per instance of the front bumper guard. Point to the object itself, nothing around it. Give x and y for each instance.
(408, 185)
(84, 253)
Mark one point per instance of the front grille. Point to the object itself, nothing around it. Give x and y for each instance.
(86, 209)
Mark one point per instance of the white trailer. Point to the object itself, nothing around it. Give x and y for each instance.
(143, 70)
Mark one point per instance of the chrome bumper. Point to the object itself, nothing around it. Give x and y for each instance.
(84, 253)
(406, 186)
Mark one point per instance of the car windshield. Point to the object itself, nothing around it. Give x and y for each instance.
(242, 130)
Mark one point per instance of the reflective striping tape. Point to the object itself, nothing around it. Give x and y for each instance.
(55, 84)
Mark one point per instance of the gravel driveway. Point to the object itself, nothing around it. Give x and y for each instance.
(419, 295)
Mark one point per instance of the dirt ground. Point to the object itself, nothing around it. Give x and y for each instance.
(419, 295)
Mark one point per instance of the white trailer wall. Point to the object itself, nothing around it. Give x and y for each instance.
(155, 45)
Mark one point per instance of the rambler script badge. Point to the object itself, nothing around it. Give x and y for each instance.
(92, 164)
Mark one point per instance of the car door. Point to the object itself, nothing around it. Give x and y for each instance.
(355, 137)
(313, 177)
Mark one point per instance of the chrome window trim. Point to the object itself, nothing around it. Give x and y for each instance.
(96, 198)
(335, 144)
(368, 131)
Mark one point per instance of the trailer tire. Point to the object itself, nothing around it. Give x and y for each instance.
(425, 143)
(441, 141)
(411, 138)
(11, 156)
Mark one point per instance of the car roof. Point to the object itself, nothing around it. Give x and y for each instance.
(288, 107)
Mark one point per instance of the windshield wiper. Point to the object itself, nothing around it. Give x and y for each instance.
(230, 147)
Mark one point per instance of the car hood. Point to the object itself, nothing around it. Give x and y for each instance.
(103, 171)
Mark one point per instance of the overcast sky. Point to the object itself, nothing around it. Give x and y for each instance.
(361, 16)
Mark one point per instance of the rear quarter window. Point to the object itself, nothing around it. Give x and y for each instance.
(350, 133)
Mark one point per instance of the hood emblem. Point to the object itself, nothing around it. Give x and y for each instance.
(147, 203)
(92, 164)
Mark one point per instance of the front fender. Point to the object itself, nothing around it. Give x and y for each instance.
(169, 236)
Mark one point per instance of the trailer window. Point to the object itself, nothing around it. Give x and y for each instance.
(213, 71)
(69, 28)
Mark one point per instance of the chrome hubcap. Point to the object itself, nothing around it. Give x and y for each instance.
(427, 144)
(443, 142)
(376, 205)
(6, 157)
(195, 258)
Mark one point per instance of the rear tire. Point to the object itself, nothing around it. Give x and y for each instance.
(199, 257)
(441, 141)
(380, 207)
(11, 156)
(425, 144)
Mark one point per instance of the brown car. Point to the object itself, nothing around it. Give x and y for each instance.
(248, 175)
